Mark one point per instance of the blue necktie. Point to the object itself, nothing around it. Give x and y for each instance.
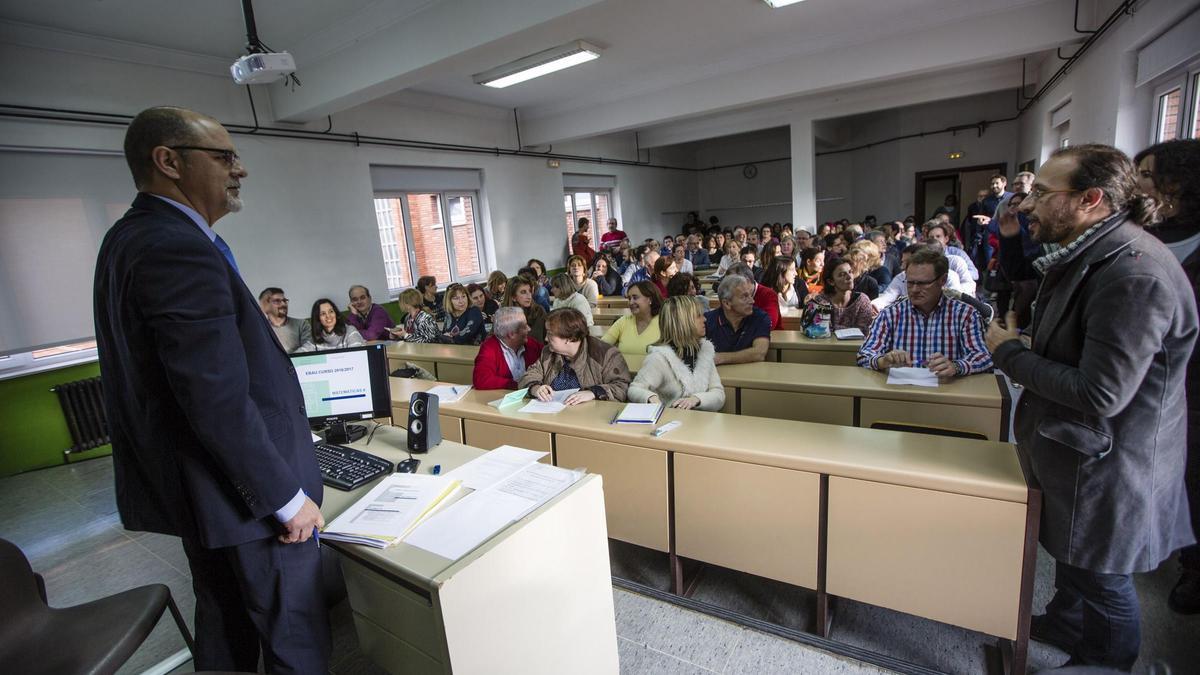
(227, 252)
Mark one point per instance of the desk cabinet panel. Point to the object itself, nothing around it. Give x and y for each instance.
(635, 487)
(961, 418)
(488, 436)
(455, 373)
(820, 357)
(943, 556)
(414, 636)
(731, 406)
(791, 405)
(757, 519)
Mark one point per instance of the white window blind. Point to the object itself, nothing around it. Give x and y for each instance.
(1173, 48)
(573, 181)
(1060, 115)
(54, 210)
(423, 178)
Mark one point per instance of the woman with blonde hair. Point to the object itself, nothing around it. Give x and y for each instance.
(573, 359)
(463, 322)
(562, 287)
(419, 323)
(679, 370)
(577, 268)
(519, 293)
(874, 261)
(859, 261)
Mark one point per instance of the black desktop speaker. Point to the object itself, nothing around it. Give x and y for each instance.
(424, 429)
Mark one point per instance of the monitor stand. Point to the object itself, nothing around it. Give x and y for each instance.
(340, 432)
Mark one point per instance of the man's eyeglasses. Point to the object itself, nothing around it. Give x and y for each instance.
(912, 283)
(1036, 193)
(228, 156)
(279, 301)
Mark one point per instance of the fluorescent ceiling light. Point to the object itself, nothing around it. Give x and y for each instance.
(536, 65)
(781, 3)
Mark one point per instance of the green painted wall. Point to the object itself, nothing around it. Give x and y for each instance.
(33, 432)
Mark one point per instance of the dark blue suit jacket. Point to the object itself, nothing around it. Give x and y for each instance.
(209, 432)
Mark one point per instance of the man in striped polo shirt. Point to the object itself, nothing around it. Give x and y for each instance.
(927, 328)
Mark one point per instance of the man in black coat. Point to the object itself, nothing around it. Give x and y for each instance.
(1102, 417)
(209, 433)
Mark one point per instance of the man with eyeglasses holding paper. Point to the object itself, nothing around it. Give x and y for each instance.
(927, 328)
(209, 432)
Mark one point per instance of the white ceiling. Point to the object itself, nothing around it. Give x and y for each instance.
(351, 52)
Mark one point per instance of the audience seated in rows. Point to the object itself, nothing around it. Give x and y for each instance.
(330, 330)
(497, 283)
(695, 255)
(647, 256)
(292, 332)
(565, 295)
(479, 299)
(664, 269)
(371, 320)
(679, 255)
(573, 359)
(927, 329)
(535, 271)
(739, 331)
(684, 284)
(680, 370)
(899, 288)
(812, 261)
(634, 332)
(506, 353)
(781, 276)
(943, 235)
(427, 286)
(765, 298)
(847, 307)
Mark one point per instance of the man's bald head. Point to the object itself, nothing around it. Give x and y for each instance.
(164, 125)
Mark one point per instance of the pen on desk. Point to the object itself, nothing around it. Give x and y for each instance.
(454, 390)
(437, 469)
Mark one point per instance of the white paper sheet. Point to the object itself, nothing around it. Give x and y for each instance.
(921, 377)
(554, 405)
(639, 413)
(848, 334)
(447, 393)
(470, 522)
(387, 512)
(493, 467)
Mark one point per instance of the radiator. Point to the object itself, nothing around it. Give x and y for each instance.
(82, 404)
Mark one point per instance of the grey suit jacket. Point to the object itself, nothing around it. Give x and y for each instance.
(1102, 417)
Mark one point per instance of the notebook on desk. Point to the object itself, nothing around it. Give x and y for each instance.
(639, 413)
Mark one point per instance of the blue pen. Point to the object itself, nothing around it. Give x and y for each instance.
(437, 469)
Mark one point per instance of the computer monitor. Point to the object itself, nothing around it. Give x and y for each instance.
(344, 385)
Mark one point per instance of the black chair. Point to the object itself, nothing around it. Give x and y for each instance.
(95, 638)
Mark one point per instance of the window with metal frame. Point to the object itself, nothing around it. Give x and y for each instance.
(593, 204)
(429, 233)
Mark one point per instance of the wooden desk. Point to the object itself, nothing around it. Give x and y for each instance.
(791, 346)
(791, 318)
(934, 526)
(602, 316)
(618, 302)
(852, 396)
(452, 363)
(415, 611)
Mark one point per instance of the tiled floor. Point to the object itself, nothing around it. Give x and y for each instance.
(65, 521)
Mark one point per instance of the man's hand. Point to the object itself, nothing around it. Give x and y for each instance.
(1009, 225)
(982, 220)
(686, 403)
(300, 527)
(999, 332)
(941, 366)
(895, 358)
(581, 396)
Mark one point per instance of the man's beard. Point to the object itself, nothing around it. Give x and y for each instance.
(232, 204)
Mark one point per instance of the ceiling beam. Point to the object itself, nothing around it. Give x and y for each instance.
(977, 40)
(407, 53)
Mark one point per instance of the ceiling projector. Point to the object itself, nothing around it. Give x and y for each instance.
(262, 68)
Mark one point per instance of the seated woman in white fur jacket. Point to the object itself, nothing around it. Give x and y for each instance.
(679, 369)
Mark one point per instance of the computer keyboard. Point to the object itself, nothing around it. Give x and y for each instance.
(346, 468)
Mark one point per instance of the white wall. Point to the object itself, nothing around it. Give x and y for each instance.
(1106, 106)
(881, 180)
(735, 199)
(309, 223)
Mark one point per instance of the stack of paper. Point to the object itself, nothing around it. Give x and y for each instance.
(921, 377)
(848, 334)
(554, 405)
(448, 393)
(391, 510)
(639, 413)
(508, 482)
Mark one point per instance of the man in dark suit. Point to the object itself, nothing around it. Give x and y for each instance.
(1103, 415)
(209, 433)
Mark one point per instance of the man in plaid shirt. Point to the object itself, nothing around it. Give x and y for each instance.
(927, 329)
